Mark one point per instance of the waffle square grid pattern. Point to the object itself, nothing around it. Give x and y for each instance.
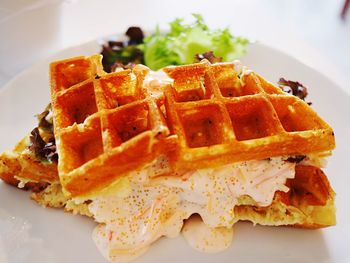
(108, 125)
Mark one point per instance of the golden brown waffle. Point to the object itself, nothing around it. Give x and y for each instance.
(224, 117)
(21, 164)
(107, 125)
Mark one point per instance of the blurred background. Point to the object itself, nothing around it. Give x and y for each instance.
(313, 31)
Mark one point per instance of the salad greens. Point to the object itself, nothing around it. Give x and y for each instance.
(118, 53)
(179, 45)
(184, 41)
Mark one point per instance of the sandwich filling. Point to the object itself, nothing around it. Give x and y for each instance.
(147, 207)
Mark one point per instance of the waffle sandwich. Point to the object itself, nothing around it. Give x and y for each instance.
(141, 151)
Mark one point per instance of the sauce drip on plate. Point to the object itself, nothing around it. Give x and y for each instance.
(204, 238)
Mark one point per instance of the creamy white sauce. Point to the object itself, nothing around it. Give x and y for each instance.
(155, 81)
(103, 239)
(49, 117)
(316, 159)
(23, 181)
(237, 66)
(246, 71)
(204, 238)
(153, 207)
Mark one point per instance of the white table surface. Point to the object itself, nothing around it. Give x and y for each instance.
(310, 30)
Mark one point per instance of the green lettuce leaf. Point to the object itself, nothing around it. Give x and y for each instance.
(184, 41)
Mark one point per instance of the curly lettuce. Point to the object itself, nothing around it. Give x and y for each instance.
(184, 41)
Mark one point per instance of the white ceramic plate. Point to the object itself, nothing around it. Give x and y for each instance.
(29, 233)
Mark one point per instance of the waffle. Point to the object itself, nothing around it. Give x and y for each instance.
(20, 167)
(108, 125)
